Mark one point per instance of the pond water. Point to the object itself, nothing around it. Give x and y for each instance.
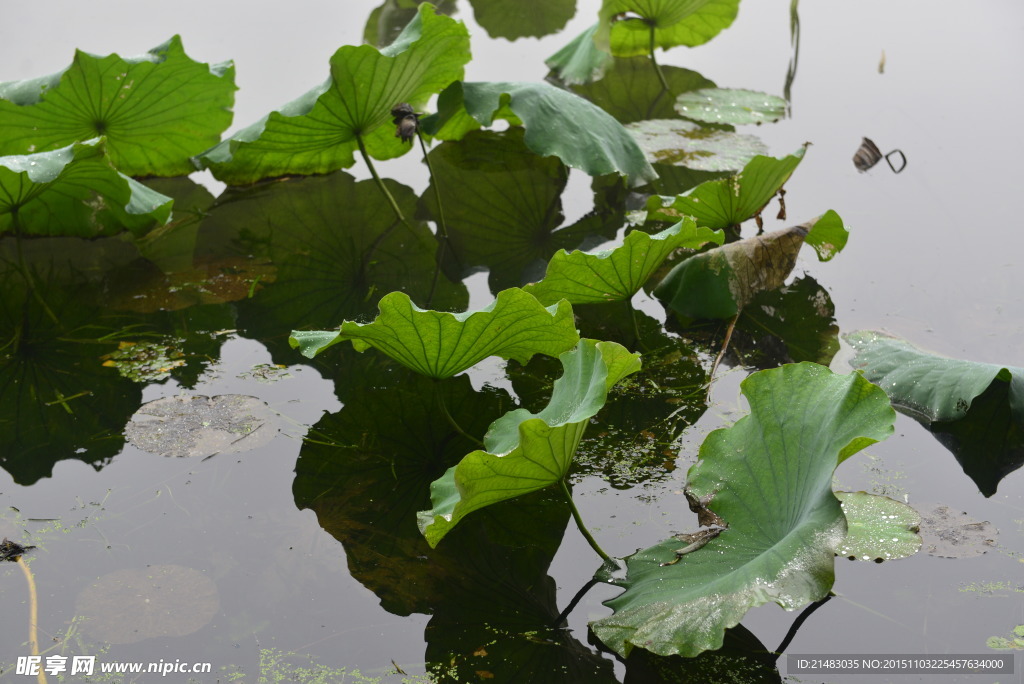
(297, 545)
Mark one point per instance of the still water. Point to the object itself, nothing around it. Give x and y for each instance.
(298, 548)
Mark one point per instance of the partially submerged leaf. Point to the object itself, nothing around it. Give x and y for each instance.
(616, 274)
(729, 201)
(720, 282)
(557, 123)
(524, 452)
(730, 106)
(975, 409)
(769, 477)
(685, 143)
(440, 344)
(75, 191)
(626, 25)
(317, 133)
(156, 110)
(131, 605)
(880, 528)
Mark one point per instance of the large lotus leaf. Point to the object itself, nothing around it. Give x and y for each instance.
(75, 191)
(880, 528)
(731, 106)
(502, 206)
(616, 274)
(626, 25)
(685, 143)
(581, 61)
(156, 111)
(513, 20)
(720, 282)
(631, 90)
(975, 409)
(524, 452)
(319, 132)
(769, 479)
(440, 344)
(730, 201)
(322, 274)
(557, 123)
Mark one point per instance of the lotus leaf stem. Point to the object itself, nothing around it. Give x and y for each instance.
(25, 273)
(442, 226)
(451, 421)
(33, 614)
(657, 68)
(579, 522)
(721, 353)
(380, 183)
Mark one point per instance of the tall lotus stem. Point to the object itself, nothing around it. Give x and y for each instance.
(442, 226)
(657, 68)
(33, 614)
(380, 183)
(579, 523)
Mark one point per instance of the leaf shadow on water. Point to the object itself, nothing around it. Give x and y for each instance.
(366, 470)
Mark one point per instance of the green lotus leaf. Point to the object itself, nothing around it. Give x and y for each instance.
(615, 274)
(503, 208)
(685, 143)
(975, 409)
(720, 282)
(74, 191)
(511, 20)
(524, 452)
(731, 106)
(319, 132)
(156, 111)
(625, 25)
(581, 61)
(557, 123)
(768, 479)
(631, 91)
(729, 201)
(880, 528)
(440, 344)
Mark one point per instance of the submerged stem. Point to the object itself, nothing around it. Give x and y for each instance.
(579, 522)
(721, 353)
(442, 226)
(657, 68)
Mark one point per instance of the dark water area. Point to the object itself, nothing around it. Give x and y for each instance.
(274, 529)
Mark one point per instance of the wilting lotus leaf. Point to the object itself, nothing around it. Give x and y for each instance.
(976, 410)
(954, 534)
(525, 452)
(615, 274)
(131, 605)
(513, 20)
(731, 106)
(630, 89)
(626, 25)
(194, 425)
(685, 143)
(880, 528)
(318, 132)
(156, 111)
(768, 479)
(74, 191)
(557, 123)
(729, 201)
(441, 344)
(720, 282)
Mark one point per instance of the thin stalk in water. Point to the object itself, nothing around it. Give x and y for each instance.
(579, 523)
(451, 421)
(442, 226)
(33, 614)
